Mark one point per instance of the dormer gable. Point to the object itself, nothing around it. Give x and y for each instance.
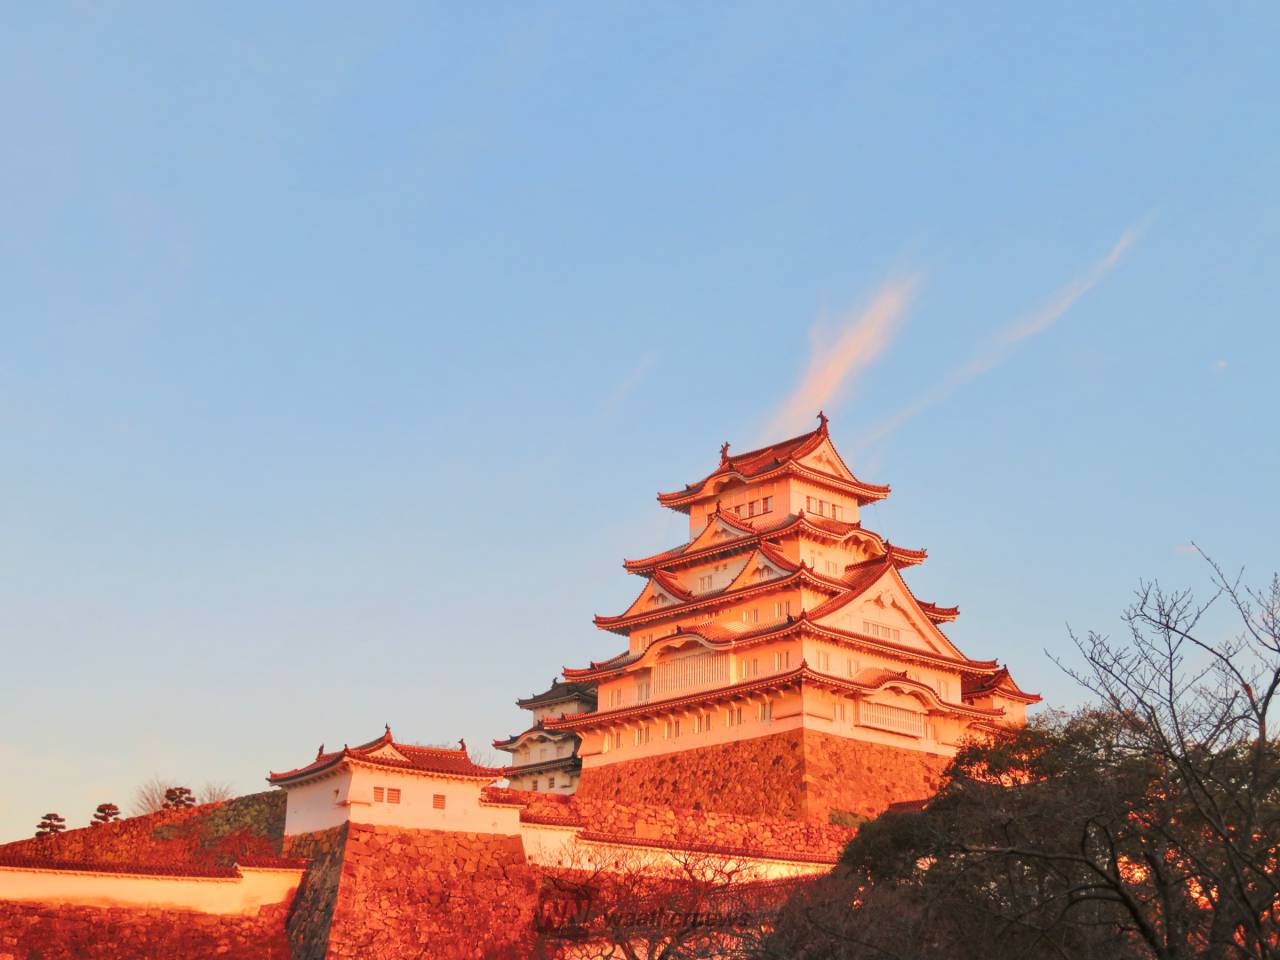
(824, 459)
(883, 609)
(387, 752)
(760, 568)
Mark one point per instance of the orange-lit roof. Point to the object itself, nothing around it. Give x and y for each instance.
(838, 530)
(1000, 682)
(776, 458)
(416, 759)
(803, 673)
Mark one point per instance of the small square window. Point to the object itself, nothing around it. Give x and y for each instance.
(379, 794)
(393, 794)
(437, 799)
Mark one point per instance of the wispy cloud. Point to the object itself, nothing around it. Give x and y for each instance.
(839, 354)
(628, 384)
(1004, 342)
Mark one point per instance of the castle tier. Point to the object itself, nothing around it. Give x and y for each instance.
(547, 760)
(782, 634)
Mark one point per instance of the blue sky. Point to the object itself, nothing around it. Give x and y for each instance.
(344, 349)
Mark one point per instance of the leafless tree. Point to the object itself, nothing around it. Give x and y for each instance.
(609, 903)
(215, 791)
(149, 796)
(1146, 826)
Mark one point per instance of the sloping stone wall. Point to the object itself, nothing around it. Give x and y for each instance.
(794, 775)
(42, 932)
(428, 894)
(313, 904)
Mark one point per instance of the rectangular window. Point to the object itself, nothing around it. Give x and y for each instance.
(753, 508)
(551, 783)
(781, 661)
(393, 794)
(738, 510)
(437, 799)
(379, 794)
(835, 512)
(871, 628)
(768, 505)
(755, 667)
(764, 711)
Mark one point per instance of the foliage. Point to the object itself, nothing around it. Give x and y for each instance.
(51, 825)
(611, 904)
(1145, 826)
(105, 813)
(179, 798)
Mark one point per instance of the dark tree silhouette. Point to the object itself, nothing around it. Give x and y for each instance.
(177, 798)
(105, 813)
(1147, 826)
(52, 825)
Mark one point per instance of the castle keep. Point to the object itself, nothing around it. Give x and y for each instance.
(777, 662)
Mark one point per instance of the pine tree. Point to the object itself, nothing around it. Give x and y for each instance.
(105, 813)
(52, 825)
(176, 798)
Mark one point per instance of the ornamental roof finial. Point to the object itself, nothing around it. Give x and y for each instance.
(724, 453)
(822, 420)
(387, 727)
(462, 745)
(320, 752)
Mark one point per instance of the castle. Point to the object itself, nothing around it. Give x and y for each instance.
(781, 629)
(779, 683)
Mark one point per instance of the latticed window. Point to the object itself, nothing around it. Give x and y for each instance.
(437, 799)
(895, 719)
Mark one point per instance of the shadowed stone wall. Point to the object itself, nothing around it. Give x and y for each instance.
(43, 932)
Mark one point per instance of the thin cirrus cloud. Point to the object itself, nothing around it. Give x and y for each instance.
(837, 358)
(1004, 342)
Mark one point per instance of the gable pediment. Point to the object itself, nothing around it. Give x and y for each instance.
(716, 532)
(387, 752)
(824, 459)
(652, 598)
(758, 569)
(886, 611)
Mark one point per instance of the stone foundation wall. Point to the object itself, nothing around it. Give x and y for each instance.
(758, 777)
(794, 775)
(864, 778)
(313, 904)
(41, 932)
(420, 893)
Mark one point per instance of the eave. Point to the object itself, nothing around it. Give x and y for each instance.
(802, 674)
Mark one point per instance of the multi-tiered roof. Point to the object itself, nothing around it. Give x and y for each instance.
(778, 562)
